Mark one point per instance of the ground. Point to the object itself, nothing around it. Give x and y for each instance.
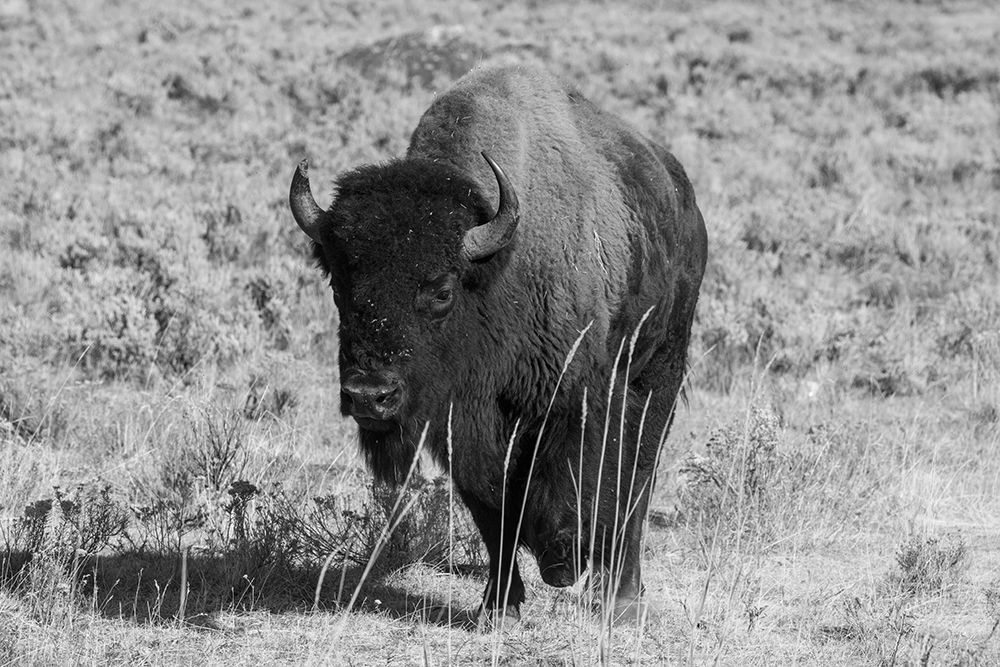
(178, 487)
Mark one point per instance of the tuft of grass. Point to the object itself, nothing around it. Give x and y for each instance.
(884, 623)
(348, 529)
(928, 564)
(737, 477)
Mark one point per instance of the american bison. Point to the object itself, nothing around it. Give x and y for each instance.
(463, 285)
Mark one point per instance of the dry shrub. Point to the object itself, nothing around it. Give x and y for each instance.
(269, 298)
(159, 525)
(928, 564)
(49, 582)
(223, 240)
(882, 621)
(28, 410)
(87, 518)
(127, 298)
(265, 400)
(422, 533)
(992, 594)
(190, 478)
(215, 447)
(47, 549)
(730, 490)
(353, 530)
(758, 479)
(985, 347)
(877, 625)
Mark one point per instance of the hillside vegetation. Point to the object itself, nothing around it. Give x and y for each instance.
(177, 485)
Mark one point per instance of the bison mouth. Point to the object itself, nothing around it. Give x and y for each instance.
(375, 425)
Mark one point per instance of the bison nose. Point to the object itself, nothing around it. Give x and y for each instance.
(373, 395)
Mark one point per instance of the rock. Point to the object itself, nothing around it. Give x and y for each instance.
(428, 59)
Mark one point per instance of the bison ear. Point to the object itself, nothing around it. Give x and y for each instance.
(306, 211)
(485, 240)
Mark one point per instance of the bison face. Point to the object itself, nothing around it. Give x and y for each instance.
(401, 328)
(377, 362)
(411, 248)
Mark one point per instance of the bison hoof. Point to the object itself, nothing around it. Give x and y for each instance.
(559, 575)
(557, 567)
(632, 611)
(490, 618)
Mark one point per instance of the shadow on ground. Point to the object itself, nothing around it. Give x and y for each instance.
(146, 588)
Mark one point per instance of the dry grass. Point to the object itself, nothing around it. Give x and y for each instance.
(167, 384)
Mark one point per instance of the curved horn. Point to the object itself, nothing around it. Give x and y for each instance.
(484, 240)
(305, 209)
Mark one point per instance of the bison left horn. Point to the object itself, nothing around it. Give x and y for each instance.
(307, 212)
(485, 240)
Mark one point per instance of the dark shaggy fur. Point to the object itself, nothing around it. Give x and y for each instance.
(609, 230)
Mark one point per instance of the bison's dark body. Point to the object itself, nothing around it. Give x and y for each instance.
(608, 230)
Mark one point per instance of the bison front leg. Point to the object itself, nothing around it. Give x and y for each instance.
(660, 381)
(616, 581)
(629, 605)
(624, 491)
(504, 591)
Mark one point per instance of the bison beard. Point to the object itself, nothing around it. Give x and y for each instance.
(557, 276)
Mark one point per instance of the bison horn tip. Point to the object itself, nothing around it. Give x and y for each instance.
(485, 240)
(305, 210)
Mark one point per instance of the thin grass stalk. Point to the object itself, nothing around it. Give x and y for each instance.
(495, 652)
(503, 512)
(578, 485)
(55, 396)
(709, 573)
(387, 530)
(619, 544)
(628, 372)
(742, 513)
(343, 571)
(426, 651)
(538, 441)
(182, 607)
(451, 522)
(631, 486)
(633, 499)
(597, 492)
(660, 445)
(319, 581)
(616, 572)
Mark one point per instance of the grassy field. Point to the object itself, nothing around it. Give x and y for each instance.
(176, 485)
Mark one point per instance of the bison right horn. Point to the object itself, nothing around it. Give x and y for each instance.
(484, 240)
(306, 211)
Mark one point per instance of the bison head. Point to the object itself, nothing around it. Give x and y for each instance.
(412, 248)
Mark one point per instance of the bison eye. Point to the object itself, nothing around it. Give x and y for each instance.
(437, 297)
(441, 302)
